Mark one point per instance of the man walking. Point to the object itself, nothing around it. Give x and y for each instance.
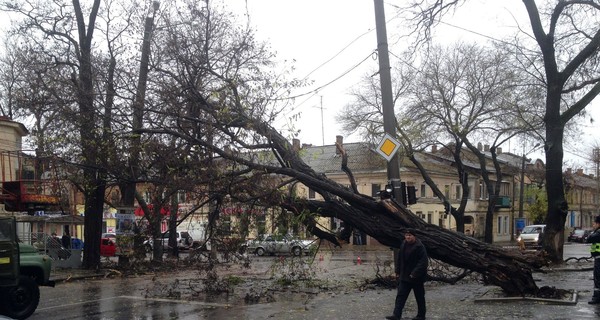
(411, 269)
(594, 239)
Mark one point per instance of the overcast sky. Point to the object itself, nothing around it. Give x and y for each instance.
(336, 38)
(333, 41)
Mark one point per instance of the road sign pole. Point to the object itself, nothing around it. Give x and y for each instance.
(389, 118)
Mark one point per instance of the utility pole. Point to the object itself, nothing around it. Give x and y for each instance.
(522, 183)
(322, 122)
(389, 118)
(322, 125)
(596, 159)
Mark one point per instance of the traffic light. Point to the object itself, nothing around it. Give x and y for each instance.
(409, 194)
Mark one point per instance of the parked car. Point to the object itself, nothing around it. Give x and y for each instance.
(183, 243)
(580, 235)
(194, 239)
(50, 245)
(112, 236)
(107, 247)
(271, 244)
(531, 236)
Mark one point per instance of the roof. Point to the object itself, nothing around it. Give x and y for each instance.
(362, 157)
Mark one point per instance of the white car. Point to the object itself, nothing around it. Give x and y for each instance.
(182, 243)
(272, 244)
(531, 236)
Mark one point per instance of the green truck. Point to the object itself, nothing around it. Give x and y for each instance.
(22, 271)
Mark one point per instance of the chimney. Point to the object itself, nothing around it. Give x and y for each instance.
(479, 146)
(579, 172)
(498, 150)
(339, 140)
(486, 147)
(296, 145)
(434, 148)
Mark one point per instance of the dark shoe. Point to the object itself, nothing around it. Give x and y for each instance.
(594, 301)
(392, 318)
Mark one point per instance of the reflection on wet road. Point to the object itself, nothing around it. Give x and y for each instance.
(131, 298)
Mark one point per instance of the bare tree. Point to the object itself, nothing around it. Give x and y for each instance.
(225, 81)
(566, 52)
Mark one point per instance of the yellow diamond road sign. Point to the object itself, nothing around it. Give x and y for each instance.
(388, 147)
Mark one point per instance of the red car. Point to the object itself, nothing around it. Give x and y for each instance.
(107, 247)
(580, 235)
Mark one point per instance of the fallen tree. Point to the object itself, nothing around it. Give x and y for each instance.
(384, 220)
(225, 108)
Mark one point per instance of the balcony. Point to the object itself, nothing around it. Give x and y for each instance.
(502, 202)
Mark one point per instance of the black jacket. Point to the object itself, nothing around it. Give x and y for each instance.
(412, 265)
(594, 239)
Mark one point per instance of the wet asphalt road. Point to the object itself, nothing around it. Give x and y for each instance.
(128, 298)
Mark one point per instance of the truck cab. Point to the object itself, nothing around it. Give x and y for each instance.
(22, 271)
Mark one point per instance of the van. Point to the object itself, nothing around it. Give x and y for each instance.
(531, 236)
(197, 236)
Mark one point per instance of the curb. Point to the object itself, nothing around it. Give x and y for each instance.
(573, 300)
(64, 277)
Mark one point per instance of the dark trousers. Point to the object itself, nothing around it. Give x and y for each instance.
(404, 289)
(596, 295)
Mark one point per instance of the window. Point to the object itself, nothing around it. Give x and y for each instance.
(499, 226)
(423, 186)
(429, 216)
(375, 188)
(506, 231)
(181, 196)
(457, 192)
(311, 193)
(261, 223)
(447, 191)
(225, 226)
(505, 189)
(420, 214)
(482, 191)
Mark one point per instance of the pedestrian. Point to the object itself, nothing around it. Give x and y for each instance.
(594, 239)
(411, 269)
(66, 240)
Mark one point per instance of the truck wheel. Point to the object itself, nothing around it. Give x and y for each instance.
(260, 252)
(20, 302)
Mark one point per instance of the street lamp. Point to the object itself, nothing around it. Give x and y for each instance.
(522, 182)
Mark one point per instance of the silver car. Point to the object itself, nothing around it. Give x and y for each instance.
(531, 236)
(271, 244)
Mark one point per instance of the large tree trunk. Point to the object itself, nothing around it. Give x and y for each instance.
(94, 183)
(386, 221)
(554, 236)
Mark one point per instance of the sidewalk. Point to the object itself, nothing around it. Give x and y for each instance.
(68, 274)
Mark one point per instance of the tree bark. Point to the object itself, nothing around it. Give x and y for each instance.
(386, 221)
(95, 183)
